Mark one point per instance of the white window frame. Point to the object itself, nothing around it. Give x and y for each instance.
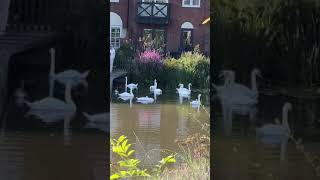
(119, 27)
(166, 1)
(114, 1)
(191, 4)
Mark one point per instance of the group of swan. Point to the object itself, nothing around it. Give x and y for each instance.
(184, 92)
(240, 96)
(144, 100)
(51, 109)
(237, 93)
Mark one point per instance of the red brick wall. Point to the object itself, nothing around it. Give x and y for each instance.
(121, 9)
(178, 15)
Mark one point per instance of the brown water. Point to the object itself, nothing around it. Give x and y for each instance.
(66, 149)
(240, 155)
(154, 127)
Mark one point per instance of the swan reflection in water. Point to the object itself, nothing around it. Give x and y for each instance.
(51, 110)
(126, 99)
(182, 130)
(228, 110)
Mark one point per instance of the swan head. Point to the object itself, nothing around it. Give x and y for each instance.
(257, 72)
(52, 51)
(287, 106)
(85, 74)
(199, 95)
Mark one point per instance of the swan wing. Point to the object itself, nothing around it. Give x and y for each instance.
(46, 103)
(102, 118)
(271, 130)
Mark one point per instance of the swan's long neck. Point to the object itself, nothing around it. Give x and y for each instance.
(131, 91)
(254, 81)
(189, 86)
(285, 118)
(126, 83)
(51, 72)
(198, 98)
(52, 65)
(68, 97)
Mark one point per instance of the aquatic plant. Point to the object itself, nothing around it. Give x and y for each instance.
(129, 167)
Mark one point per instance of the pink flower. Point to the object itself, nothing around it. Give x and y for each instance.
(150, 56)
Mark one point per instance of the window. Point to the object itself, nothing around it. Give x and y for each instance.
(114, 0)
(190, 3)
(186, 36)
(156, 1)
(154, 38)
(115, 37)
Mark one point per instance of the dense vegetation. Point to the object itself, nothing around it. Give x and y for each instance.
(148, 64)
(279, 37)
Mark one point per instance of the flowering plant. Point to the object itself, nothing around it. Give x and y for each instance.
(149, 56)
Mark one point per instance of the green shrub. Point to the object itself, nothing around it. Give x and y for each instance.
(129, 167)
(191, 67)
(124, 56)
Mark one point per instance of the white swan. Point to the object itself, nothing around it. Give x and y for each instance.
(97, 118)
(196, 102)
(184, 91)
(273, 134)
(145, 100)
(52, 109)
(157, 91)
(240, 89)
(271, 130)
(153, 87)
(131, 85)
(237, 94)
(98, 121)
(112, 57)
(126, 94)
(74, 76)
(20, 95)
(227, 75)
(180, 87)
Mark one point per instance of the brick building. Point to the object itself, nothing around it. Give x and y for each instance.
(175, 23)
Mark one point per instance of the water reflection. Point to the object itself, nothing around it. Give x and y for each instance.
(155, 126)
(44, 139)
(261, 152)
(229, 109)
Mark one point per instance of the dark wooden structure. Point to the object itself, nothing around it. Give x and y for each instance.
(153, 13)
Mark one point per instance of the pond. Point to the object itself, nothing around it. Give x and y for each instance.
(240, 154)
(63, 149)
(155, 127)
